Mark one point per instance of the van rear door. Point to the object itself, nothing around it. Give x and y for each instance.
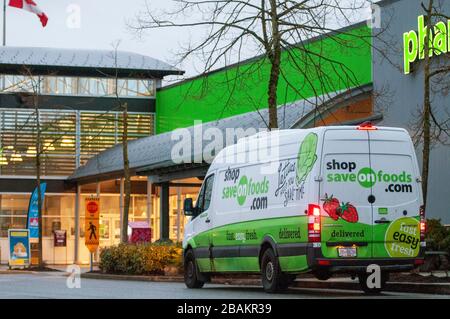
(396, 194)
(344, 192)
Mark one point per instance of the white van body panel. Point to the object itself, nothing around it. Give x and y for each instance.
(264, 184)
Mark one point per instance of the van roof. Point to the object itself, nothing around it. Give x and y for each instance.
(293, 134)
(319, 130)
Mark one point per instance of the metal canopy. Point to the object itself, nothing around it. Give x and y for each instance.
(152, 155)
(56, 59)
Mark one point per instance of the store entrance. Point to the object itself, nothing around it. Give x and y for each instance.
(109, 230)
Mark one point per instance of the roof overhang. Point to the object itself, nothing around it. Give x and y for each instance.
(82, 62)
(152, 156)
(20, 69)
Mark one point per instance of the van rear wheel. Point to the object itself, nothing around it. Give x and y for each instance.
(272, 278)
(191, 271)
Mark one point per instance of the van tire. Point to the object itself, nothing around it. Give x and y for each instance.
(287, 281)
(322, 275)
(191, 271)
(272, 279)
(362, 277)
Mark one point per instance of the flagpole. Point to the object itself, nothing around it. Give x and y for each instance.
(4, 22)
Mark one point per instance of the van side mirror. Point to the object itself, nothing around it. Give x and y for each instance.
(188, 207)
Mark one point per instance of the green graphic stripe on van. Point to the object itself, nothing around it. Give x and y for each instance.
(243, 264)
(282, 230)
(294, 230)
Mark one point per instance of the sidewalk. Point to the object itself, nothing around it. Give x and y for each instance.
(61, 268)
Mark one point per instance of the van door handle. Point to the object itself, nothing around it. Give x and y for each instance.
(382, 221)
(207, 220)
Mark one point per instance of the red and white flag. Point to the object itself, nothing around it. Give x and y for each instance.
(31, 6)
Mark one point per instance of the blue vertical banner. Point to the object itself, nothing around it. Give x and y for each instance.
(33, 218)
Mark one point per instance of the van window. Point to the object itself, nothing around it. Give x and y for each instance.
(208, 192)
(204, 198)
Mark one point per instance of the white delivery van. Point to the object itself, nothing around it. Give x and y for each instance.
(339, 199)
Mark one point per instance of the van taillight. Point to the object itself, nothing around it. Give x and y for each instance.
(423, 224)
(314, 225)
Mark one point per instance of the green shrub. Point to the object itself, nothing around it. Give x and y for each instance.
(141, 259)
(437, 236)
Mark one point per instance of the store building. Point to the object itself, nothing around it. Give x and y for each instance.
(77, 92)
(79, 117)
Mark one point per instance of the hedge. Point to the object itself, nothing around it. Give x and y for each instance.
(141, 259)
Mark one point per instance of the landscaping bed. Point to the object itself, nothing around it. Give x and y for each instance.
(154, 259)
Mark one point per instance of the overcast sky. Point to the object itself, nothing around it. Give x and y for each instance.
(101, 23)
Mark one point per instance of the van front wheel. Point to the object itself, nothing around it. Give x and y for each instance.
(272, 278)
(191, 272)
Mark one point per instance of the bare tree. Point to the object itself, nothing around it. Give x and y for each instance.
(41, 134)
(126, 162)
(431, 128)
(32, 100)
(39, 150)
(270, 27)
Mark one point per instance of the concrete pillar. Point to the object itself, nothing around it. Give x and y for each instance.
(121, 203)
(76, 257)
(78, 139)
(98, 189)
(179, 203)
(149, 203)
(164, 211)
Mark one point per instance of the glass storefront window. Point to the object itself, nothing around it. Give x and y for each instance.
(139, 208)
(13, 213)
(83, 86)
(98, 131)
(132, 88)
(49, 85)
(58, 213)
(145, 88)
(78, 86)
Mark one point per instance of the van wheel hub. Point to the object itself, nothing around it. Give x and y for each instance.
(269, 271)
(190, 269)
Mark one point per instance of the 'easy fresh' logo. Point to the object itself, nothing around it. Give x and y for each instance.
(247, 187)
(403, 238)
(367, 177)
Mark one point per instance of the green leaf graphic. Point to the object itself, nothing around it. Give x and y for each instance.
(306, 157)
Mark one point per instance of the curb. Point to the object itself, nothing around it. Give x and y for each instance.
(132, 277)
(17, 272)
(425, 288)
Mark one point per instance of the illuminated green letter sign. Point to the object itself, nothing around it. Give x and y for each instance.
(414, 42)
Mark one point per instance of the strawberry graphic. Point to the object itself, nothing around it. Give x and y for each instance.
(331, 206)
(348, 212)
